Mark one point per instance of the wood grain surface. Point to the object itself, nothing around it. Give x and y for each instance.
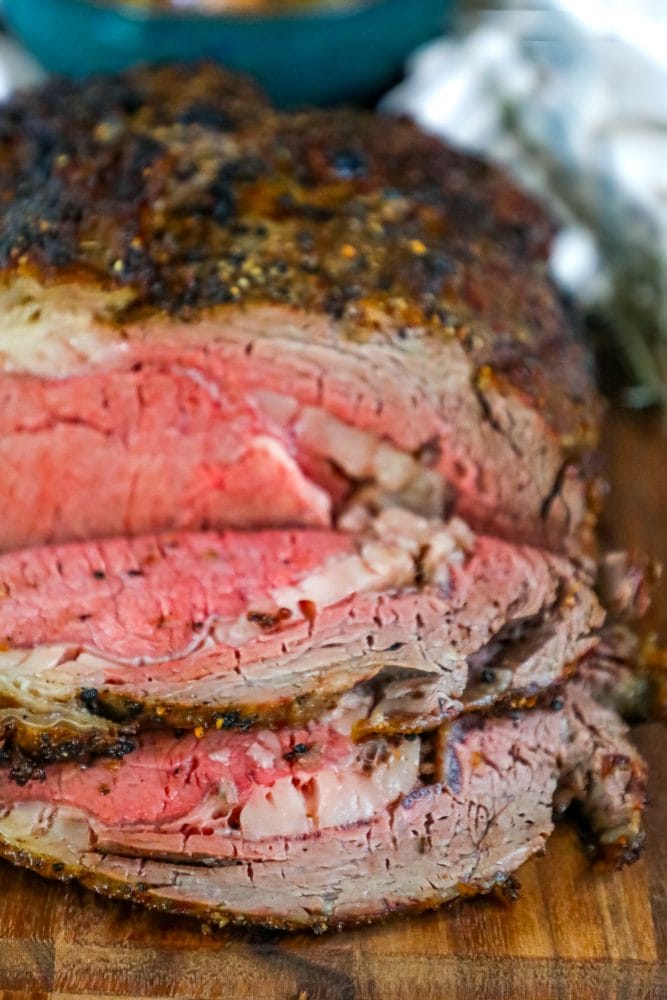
(575, 934)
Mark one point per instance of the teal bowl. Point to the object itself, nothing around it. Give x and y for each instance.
(321, 55)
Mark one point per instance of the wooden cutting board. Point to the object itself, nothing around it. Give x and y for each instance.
(574, 934)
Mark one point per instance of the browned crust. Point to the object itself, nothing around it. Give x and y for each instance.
(158, 714)
(182, 185)
(29, 746)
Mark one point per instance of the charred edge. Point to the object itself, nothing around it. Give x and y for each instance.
(604, 855)
(298, 750)
(155, 714)
(28, 762)
(624, 851)
(269, 621)
(607, 856)
(28, 749)
(507, 889)
(89, 698)
(62, 743)
(22, 769)
(530, 698)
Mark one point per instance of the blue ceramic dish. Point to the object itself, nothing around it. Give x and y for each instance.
(317, 55)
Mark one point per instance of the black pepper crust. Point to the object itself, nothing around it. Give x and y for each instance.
(29, 746)
(182, 184)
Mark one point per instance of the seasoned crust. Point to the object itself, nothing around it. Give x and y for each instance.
(580, 754)
(523, 663)
(29, 744)
(180, 184)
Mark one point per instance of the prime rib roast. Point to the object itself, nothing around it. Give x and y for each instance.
(245, 628)
(299, 487)
(304, 827)
(203, 298)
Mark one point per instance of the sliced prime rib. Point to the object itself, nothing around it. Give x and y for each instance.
(202, 297)
(628, 672)
(254, 369)
(103, 638)
(305, 828)
(627, 669)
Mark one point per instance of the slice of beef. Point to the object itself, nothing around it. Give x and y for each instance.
(628, 673)
(628, 667)
(216, 315)
(518, 666)
(604, 774)
(236, 629)
(257, 827)
(211, 795)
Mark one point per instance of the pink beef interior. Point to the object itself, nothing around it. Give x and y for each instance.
(167, 449)
(254, 369)
(265, 420)
(151, 598)
(165, 778)
(183, 606)
(228, 785)
(272, 627)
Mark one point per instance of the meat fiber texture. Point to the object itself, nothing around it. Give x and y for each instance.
(298, 456)
(306, 828)
(202, 297)
(104, 638)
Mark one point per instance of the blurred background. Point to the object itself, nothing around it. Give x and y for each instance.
(569, 95)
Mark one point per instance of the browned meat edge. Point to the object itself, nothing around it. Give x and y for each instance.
(582, 749)
(105, 725)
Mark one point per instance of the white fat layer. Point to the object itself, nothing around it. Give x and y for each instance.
(345, 797)
(32, 676)
(57, 331)
(378, 568)
(331, 797)
(281, 409)
(360, 454)
(277, 810)
(266, 750)
(387, 472)
(395, 539)
(278, 459)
